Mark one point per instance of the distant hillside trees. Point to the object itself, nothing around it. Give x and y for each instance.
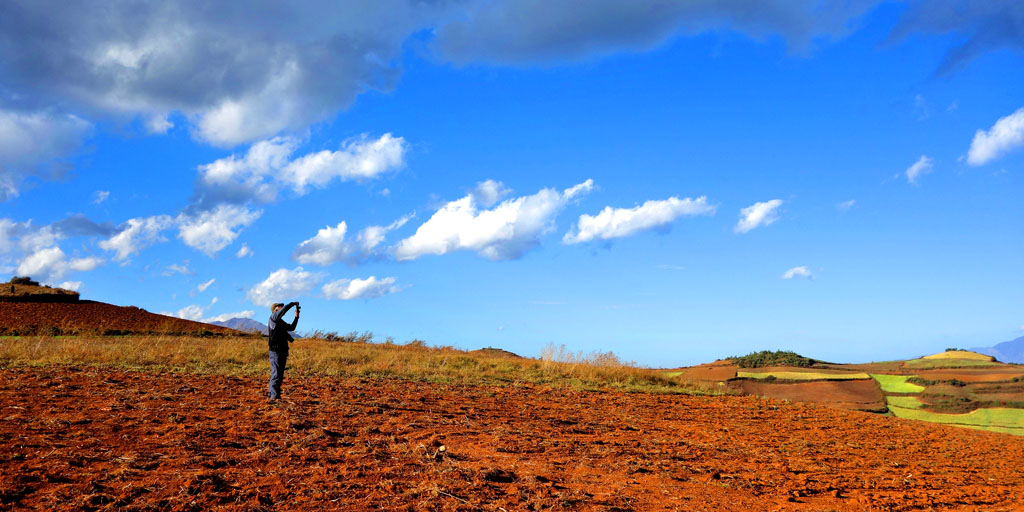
(771, 358)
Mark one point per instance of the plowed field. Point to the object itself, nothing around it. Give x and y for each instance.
(91, 440)
(860, 395)
(22, 318)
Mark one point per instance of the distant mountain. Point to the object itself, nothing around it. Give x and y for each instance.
(243, 324)
(1008, 351)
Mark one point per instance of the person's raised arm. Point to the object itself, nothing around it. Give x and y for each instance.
(295, 322)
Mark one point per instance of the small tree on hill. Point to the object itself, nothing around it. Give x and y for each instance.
(23, 280)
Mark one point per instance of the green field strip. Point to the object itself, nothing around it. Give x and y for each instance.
(987, 418)
(672, 374)
(896, 383)
(906, 402)
(803, 375)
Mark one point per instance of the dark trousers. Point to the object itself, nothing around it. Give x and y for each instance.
(278, 358)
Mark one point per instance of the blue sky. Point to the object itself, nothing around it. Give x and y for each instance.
(675, 182)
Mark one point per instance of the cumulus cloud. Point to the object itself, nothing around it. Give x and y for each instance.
(623, 222)
(1004, 136)
(330, 246)
(243, 252)
(34, 144)
(921, 167)
(358, 159)
(237, 74)
(52, 264)
(506, 231)
(212, 230)
(758, 214)
(137, 234)
(71, 285)
(283, 285)
(797, 272)
(269, 166)
(369, 288)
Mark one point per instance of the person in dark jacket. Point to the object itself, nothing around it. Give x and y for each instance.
(278, 338)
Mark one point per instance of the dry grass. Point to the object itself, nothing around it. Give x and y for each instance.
(413, 361)
(960, 354)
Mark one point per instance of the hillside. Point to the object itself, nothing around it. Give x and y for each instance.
(95, 318)
(24, 289)
(959, 387)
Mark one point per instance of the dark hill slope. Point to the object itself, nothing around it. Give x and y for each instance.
(88, 317)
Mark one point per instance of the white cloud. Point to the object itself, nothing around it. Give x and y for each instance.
(795, 272)
(489, 192)
(178, 269)
(1004, 136)
(212, 230)
(71, 285)
(326, 247)
(358, 159)
(100, 196)
(203, 286)
(283, 285)
(139, 233)
(243, 252)
(369, 288)
(192, 312)
(504, 232)
(31, 144)
(623, 222)
(197, 313)
(921, 167)
(158, 124)
(51, 264)
(758, 214)
(228, 316)
(268, 165)
(845, 205)
(329, 245)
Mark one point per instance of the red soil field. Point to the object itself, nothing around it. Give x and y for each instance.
(88, 440)
(860, 395)
(22, 318)
(713, 372)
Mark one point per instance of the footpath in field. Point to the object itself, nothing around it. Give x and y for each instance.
(111, 440)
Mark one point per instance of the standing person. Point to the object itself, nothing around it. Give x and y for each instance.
(278, 338)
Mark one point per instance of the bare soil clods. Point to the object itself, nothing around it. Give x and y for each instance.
(90, 440)
(860, 395)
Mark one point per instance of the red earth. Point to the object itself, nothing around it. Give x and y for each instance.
(87, 439)
(985, 374)
(87, 317)
(859, 395)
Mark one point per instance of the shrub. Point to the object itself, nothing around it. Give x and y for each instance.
(771, 358)
(24, 280)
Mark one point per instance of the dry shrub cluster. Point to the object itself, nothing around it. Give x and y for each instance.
(323, 357)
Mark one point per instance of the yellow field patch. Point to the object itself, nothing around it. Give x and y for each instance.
(960, 354)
